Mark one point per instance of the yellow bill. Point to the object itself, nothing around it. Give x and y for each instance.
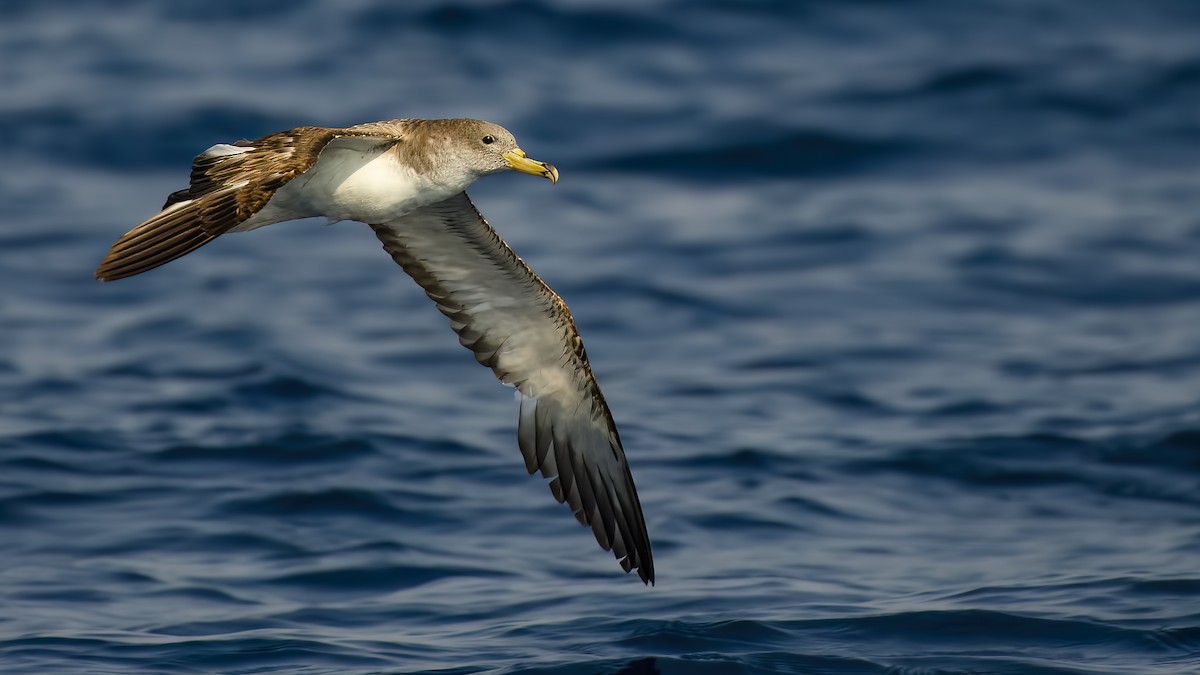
(519, 162)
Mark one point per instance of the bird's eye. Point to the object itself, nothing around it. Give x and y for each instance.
(488, 140)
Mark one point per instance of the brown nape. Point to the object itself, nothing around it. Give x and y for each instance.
(417, 138)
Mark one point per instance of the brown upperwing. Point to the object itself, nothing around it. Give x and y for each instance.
(212, 205)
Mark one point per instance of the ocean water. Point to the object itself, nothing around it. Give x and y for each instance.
(896, 304)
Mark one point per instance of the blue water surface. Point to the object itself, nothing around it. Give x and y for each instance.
(897, 305)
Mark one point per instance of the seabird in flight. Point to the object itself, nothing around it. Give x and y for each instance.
(406, 179)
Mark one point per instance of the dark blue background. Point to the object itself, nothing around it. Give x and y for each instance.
(897, 305)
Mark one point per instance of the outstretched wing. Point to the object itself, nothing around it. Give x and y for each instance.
(230, 183)
(523, 331)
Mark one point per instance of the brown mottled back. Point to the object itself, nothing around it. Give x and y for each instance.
(291, 152)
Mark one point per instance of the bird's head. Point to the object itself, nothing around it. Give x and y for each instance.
(485, 148)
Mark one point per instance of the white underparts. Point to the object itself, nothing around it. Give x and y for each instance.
(353, 180)
(350, 182)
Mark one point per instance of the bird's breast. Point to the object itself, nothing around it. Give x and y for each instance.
(368, 188)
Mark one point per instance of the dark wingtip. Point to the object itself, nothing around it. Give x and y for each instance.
(111, 269)
(646, 575)
(645, 569)
(103, 274)
(105, 271)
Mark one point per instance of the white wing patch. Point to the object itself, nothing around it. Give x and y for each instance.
(178, 205)
(224, 150)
